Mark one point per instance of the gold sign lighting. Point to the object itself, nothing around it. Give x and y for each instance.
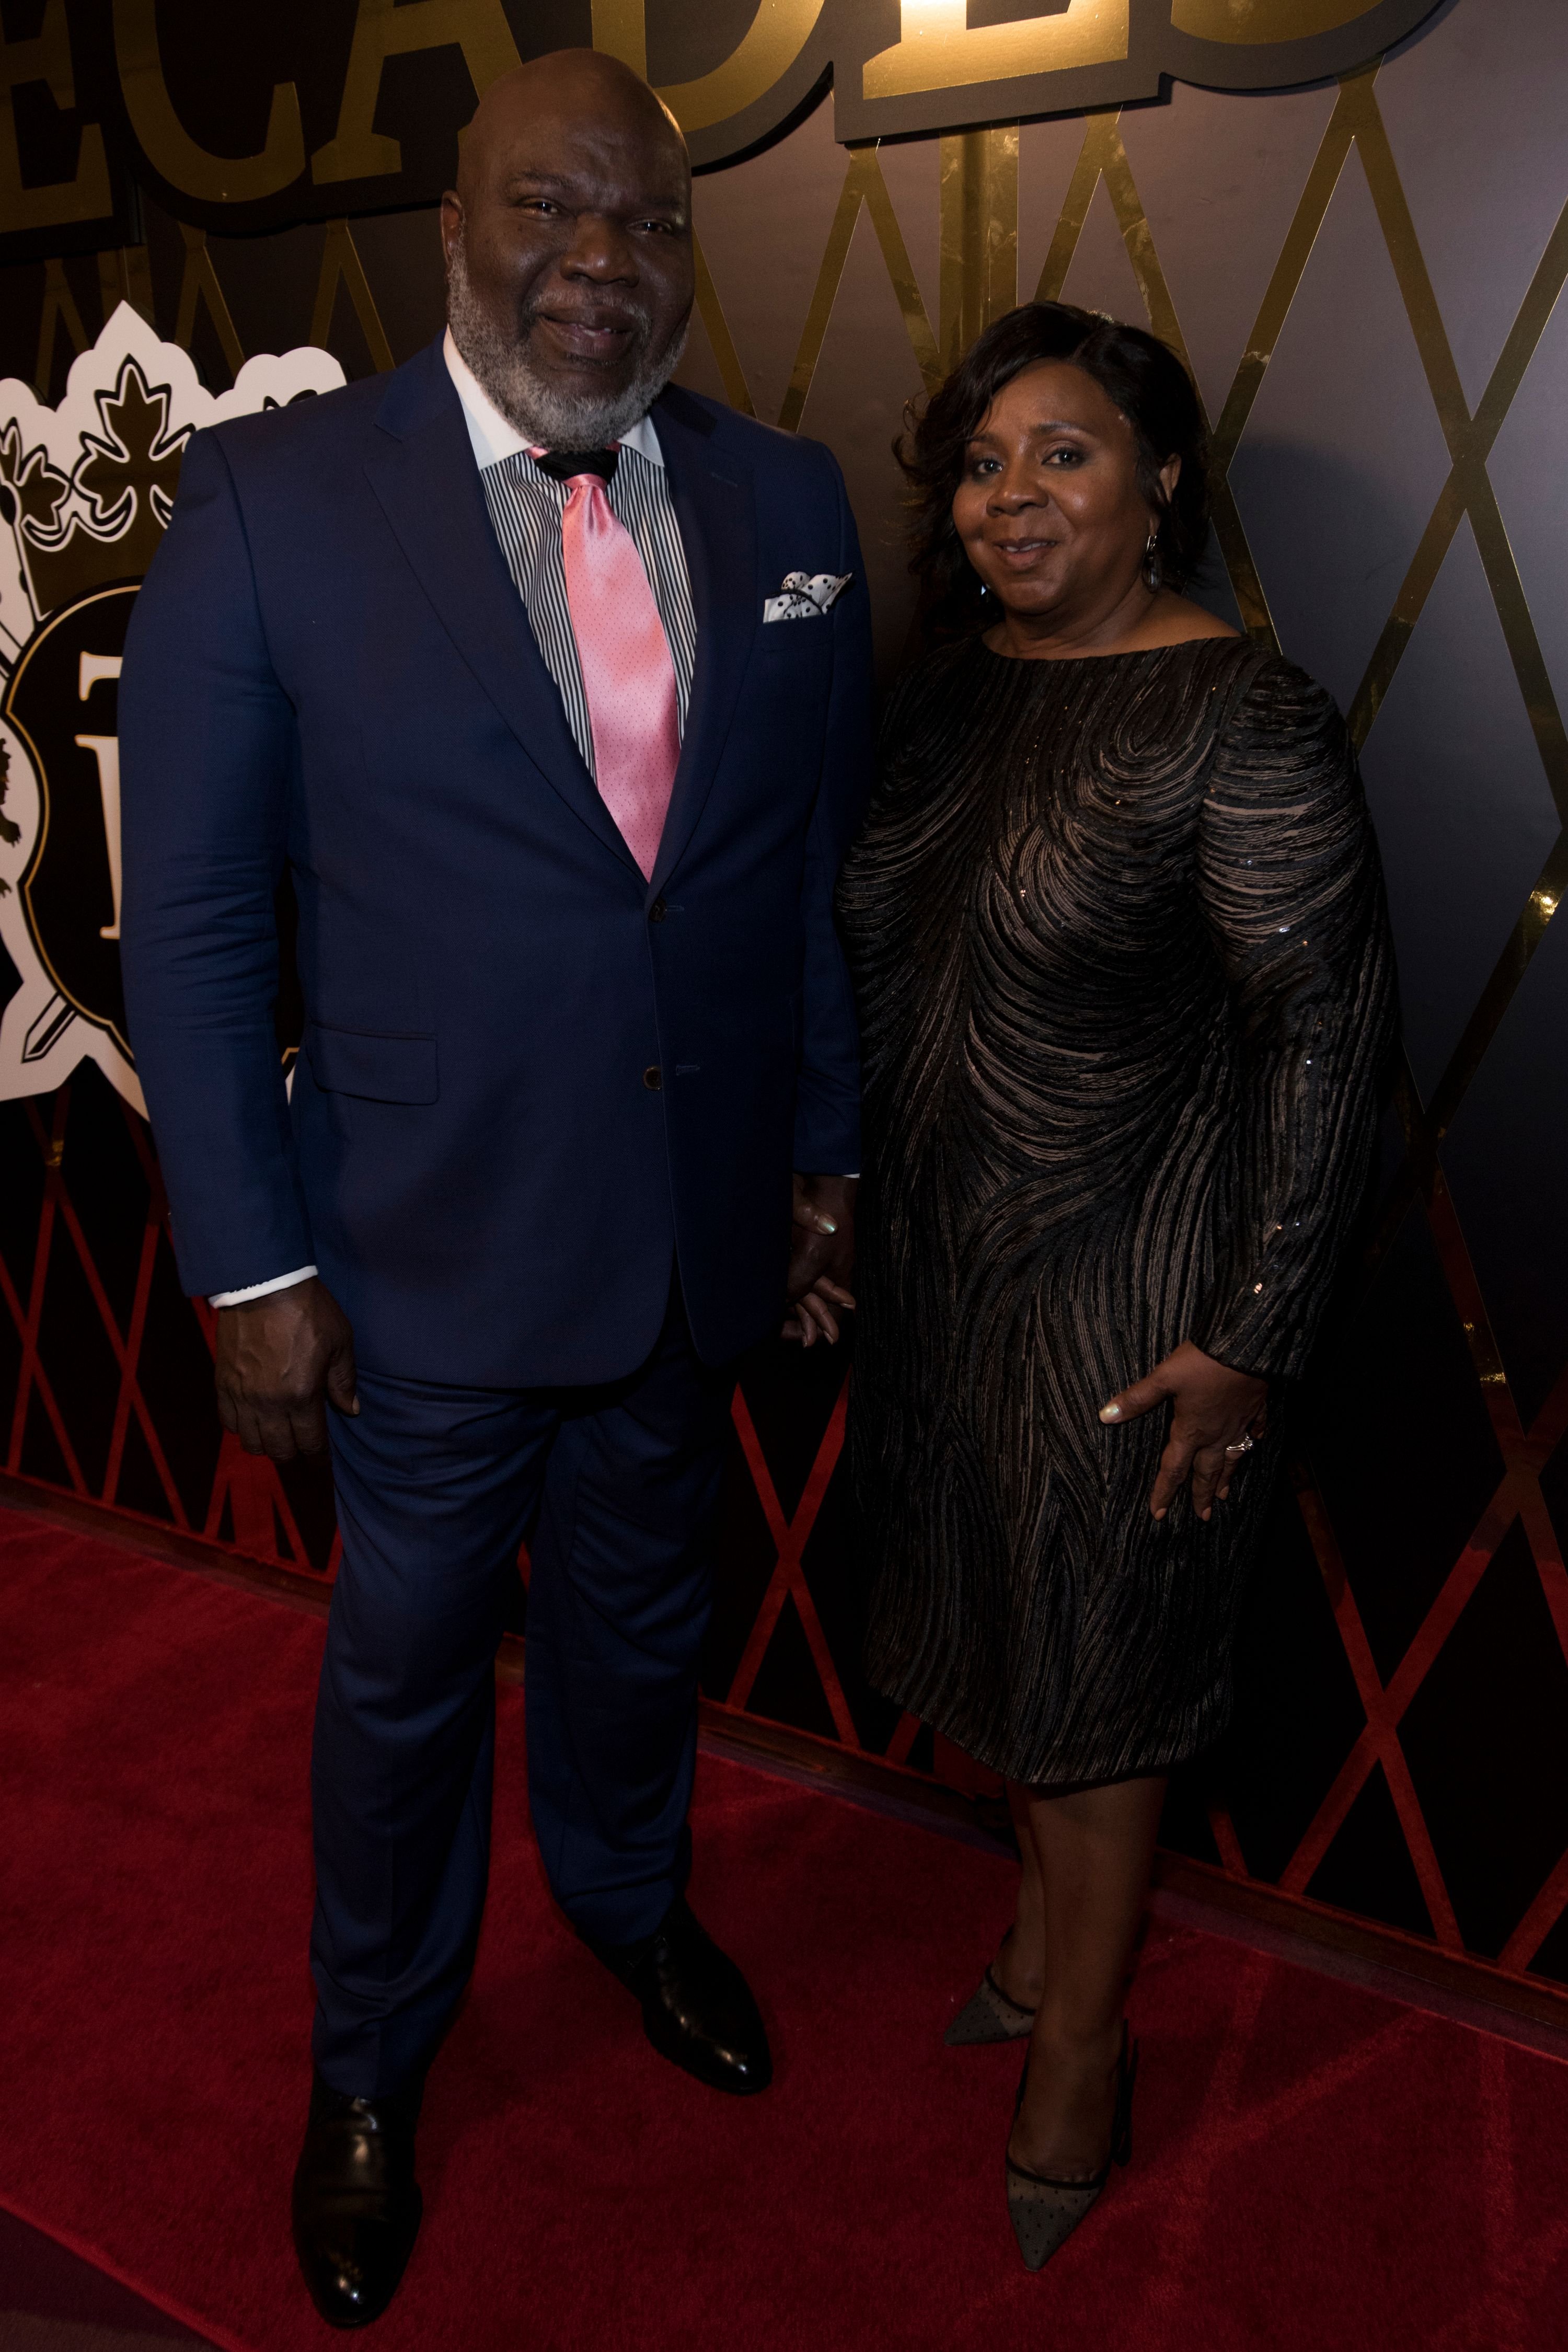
(133, 107)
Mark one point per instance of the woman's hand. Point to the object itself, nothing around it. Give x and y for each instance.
(1213, 1411)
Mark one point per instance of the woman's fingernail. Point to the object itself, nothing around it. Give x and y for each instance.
(826, 1226)
(1111, 1412)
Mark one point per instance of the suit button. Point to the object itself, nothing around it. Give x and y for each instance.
(657, 911)
(652, 1078)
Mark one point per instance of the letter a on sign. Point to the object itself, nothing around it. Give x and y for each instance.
(477, 27)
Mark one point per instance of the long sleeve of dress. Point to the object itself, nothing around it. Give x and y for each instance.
(1292, 891)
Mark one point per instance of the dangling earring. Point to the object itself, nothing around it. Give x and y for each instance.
(1153, 574)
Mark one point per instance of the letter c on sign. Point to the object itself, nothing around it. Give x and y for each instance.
(168, 145)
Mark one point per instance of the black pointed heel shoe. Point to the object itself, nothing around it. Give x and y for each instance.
(1045, 2211)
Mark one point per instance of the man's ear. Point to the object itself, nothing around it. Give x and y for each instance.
(452, 220)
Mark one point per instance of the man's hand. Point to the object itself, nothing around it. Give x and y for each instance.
(822, 1257)
(1215, 1414)
(281, 1360)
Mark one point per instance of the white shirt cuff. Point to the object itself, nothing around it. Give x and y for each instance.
(261, 1289)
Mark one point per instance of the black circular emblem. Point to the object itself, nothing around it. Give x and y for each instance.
(62, 700)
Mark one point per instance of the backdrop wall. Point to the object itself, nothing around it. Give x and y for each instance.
(1364, 275)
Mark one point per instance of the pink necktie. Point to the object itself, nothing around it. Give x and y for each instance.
(627, 675)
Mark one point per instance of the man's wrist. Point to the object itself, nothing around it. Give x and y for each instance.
(831, 1188)
(261, 1289)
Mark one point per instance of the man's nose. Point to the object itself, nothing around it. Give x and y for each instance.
(600, 249)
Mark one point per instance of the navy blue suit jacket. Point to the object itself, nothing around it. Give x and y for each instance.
(330, 669)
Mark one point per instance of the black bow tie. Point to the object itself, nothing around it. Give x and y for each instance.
(562, 464)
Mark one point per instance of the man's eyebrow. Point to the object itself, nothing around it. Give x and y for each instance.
(524, 176)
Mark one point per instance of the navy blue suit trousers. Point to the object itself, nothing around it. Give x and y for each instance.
(615, 1489)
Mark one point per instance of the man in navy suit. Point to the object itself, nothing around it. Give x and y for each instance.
(550, 686)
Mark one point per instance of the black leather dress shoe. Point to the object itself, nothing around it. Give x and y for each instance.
(356, 2202)
(697, 2007)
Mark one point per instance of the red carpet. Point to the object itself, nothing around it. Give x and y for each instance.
(1315, 2166)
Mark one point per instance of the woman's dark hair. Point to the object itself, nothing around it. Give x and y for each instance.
(1140, 374)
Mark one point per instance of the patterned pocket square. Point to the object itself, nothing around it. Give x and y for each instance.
(805, 598)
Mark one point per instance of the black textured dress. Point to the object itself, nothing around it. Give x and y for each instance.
(1118, 934)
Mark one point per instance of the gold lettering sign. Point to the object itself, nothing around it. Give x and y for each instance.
(620, 30)
(945, 73)
(774, 40)
(937, 50)
(168, 145)
(897, 68)
(383, 31)
(48, 58)
(771, 44)
(1265, 20)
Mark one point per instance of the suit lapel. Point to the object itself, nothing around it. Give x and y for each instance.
(714, 506)
(423, 472)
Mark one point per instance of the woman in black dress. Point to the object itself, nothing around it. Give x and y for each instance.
(1118, 931)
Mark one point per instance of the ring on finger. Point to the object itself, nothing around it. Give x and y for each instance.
(1242, 1445)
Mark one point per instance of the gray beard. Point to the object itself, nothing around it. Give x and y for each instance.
(545, 418)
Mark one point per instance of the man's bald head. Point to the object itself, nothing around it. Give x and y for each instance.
(574, 87)
(568, 242)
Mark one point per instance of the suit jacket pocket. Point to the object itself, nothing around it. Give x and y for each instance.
(379, 1068)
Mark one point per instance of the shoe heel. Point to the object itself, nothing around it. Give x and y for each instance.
(1121, 2125)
